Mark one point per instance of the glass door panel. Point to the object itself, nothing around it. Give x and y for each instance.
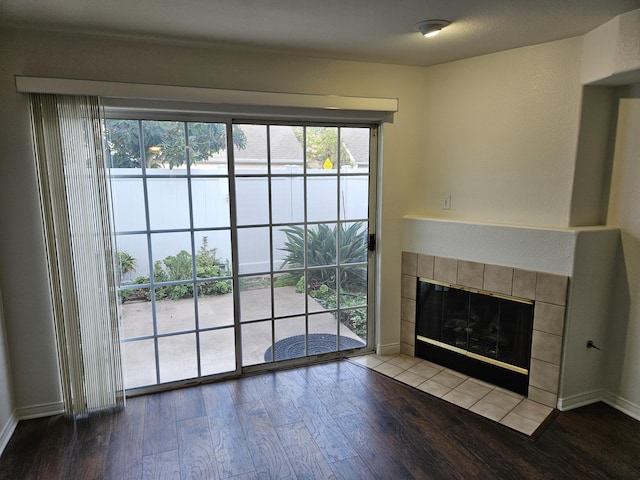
(304, 282)
(173, 237)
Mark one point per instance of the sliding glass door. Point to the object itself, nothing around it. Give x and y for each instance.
(302, 209)
(238, 244)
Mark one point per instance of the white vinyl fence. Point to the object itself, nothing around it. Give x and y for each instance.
(168, 203)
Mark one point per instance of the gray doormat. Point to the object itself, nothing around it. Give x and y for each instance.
(294, 347)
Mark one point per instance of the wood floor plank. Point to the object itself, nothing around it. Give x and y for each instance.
(227, 434)
(244, 390)
(160, 433)
(124, 460)
(27, 442)
(303, 453)
(277, 401)
(52, 463)
(352, 468)
(89, 458)
(189, 403)
(607, 456)
(197, 460)
(267, 453)
(428, 447)
(324, 429)
(373, 451)
(161, 466)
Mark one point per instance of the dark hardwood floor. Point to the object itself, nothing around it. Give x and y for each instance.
(334, 420)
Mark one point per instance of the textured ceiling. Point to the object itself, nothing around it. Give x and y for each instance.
(367, 30)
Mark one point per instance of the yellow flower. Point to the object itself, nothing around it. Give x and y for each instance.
(327, 165)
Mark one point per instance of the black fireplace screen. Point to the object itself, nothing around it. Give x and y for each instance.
(489, 327)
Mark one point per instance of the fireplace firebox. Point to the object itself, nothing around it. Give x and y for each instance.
(482, 334)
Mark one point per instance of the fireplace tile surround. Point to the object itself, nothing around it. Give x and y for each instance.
(549, 291)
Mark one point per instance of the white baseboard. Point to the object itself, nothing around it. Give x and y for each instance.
(587, 398)
(7, 431)
(580, 400)
(625, 406)
(388, 349)
(37, 411)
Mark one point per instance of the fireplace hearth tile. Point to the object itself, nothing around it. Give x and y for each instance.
(434, 388)
(482, 398)
(410, 378)
(388, 369)
(369, 361)
(510, 393)
(532, 410)
(461, 399)
(474, 388)
(404, 361)
(502, 400)
(521, 424)
(449, 378)
(426, 369)
(489, 411)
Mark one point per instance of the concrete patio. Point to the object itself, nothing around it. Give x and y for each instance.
(178, 353)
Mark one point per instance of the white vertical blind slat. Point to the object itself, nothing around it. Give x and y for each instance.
(74, 197)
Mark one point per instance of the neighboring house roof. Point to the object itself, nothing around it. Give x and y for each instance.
(286, 149)
(356, 141)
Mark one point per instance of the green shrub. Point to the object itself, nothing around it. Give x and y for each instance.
(284, 280)
(180, 267)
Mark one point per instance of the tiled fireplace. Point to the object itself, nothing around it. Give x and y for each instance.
(548, 291)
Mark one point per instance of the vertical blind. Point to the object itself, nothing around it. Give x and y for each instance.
(77, 224)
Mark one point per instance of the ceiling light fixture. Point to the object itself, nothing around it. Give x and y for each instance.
(430, 28)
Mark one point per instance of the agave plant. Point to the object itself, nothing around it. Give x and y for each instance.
(321, 250)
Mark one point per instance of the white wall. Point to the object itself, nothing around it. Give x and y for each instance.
(7, 417)
(588, 317)
(23, 273)
(623, 350)
(611, 54)
(23, 277)
(592, 172)
(501, 136)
